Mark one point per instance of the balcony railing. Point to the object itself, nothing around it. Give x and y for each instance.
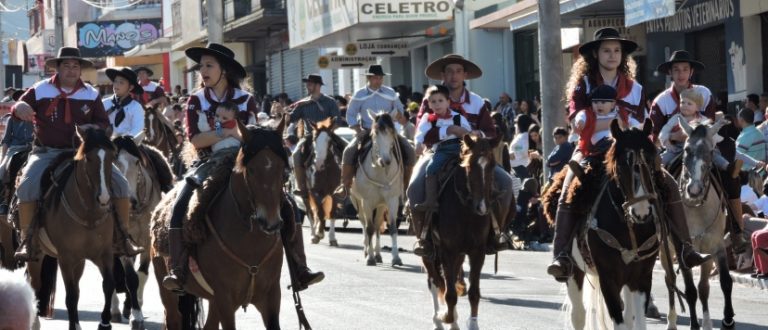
(235, 9)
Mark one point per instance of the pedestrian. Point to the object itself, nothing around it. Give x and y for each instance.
(750, 144)
(607, 60)
(57, 105)
(154, 94)
(377, 97)
(405, 129)
(221, 75)
(561, 153)
(126, 115)
(519, 155)
(753, 103)
(17, 301)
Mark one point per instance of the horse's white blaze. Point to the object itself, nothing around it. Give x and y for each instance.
(104, 193)
(642, 208)
(268, 165)
(321, 149)
(152, 127)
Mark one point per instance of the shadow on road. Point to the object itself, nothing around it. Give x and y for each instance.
(95, 316)
(524, 303)
(716, 323)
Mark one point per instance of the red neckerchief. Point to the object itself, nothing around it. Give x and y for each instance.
(62, 95)
(434, 117)
(676, 97)
(458, 105)
(145, 96)
(585, 139)
(229, 123)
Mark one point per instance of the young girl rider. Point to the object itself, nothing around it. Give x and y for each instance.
(125, 114)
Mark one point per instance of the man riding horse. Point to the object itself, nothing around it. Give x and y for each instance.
(377, 97)
(453, 70)
(152, 94)
(57, 105)
(681, 67)
(606, 60)
(17, 140)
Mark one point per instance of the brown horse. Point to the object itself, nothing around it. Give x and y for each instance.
(159, 133)
(8, 236)
(322, 156)
(465, 221)
(239, 256)
(78, 205)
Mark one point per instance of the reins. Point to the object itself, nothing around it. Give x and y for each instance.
(398, 156)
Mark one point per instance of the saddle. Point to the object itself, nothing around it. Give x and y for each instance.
(55, 177)
(195, 229)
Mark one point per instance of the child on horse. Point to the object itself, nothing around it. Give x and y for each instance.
(125, 114)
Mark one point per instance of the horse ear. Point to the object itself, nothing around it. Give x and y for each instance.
(109, 131)
(685, 126)
(371, 114)
(80, 132)
(468, 140)
(648, 127)
(615, 128)
(243, 131)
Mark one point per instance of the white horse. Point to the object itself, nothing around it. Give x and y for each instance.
(378, 187)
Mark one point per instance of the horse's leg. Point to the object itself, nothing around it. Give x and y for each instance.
(726, 284)
(132, 309)
(576, 297)
(476, 261)
(706, 269)
(169, 299)
(613, 303)
(451, 265)
(226, 312)
(368, 231)
(634, 308)
(269, 307)
(392, 215)
(212, 319)
(691, 296)
(143, 274)
(313, 219)
(6, 245)
(105, 265)
(671, 282)
(378, 221)
(327, 209)
(71, 271)
(434, 283)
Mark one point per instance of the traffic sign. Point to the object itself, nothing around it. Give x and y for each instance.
(377, 48)
(345, 62)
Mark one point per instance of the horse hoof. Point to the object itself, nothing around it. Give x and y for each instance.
(117, 317)
(447, 319)
(315, 240)
(728, 325)
(371, 262)
(334, 243)
(137, 325)
(105, 327)
(397, 262)
(653, 312)
(126, 312)
(378, 258)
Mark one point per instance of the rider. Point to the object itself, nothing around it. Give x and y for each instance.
(606, 60)
(453, 70)
(315, 108)
(221, 75)
(681, 67)
(17, 138)
(375, 96)
(125, 114)
(153, 94)
(57, 105)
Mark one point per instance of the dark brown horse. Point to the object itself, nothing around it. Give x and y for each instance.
(78, 205)
(8, 236)
(322, 156)
(465, 221)
(159, 133)
(239, 256)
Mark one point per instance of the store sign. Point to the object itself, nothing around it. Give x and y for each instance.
(377, 49)
(334, 62)
(111, 38)
(311, 19)
(405, 10)
(695, 16)
(635, 33)
(638, 11)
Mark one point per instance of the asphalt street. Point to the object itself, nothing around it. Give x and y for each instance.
(356, 296)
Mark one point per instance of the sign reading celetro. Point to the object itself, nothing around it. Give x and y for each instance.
(110, 38)
(405, 10)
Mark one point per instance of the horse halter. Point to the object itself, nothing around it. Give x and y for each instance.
(706, 183)
(638, 163)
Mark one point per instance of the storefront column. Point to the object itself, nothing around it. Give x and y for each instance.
(753, 50)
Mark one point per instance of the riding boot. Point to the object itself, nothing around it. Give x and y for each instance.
(293, 242)
(566, 219)
(422, 227)
(739, 243)
(347, 174)
(300, 174)
(123, 213)
(679, 227)
(177, 259)
(27, 212)
(431, 192)
(5, 199)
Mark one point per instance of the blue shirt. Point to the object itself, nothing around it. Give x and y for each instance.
(752, 143)
(18, 132)
(560, 155)
(364, 99)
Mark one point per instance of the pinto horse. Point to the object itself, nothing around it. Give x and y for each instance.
(79, 206)
(378, 187)
(240, 257)
(616, 247)
(465, 221)
(323, 177)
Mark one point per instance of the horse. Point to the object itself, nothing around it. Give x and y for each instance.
(616, 246)
(378, 187)
(238, 252)
(8, 236)
(159, 134)
(78, 204)
(147, 172)
(322, 155)
(465, 221)
(705, 214)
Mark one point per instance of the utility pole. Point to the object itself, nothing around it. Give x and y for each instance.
(551, 72)
(58, 32)
(215, 20)
(2, 49)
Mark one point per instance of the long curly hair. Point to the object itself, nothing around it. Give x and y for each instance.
(588, 65)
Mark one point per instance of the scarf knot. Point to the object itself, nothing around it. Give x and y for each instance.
(63, 95)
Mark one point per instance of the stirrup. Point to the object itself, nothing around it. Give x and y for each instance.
(423, 249)
(173, 283)
(558, 270)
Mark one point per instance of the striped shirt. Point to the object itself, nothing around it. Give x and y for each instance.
(383, 99)
(314, 111)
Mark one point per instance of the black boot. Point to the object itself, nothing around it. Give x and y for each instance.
(177, 257)
(424, 246)
(565, 221)
(293, 242)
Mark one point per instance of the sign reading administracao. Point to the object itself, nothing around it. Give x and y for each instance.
(111, 38)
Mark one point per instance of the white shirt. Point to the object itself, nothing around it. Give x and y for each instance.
(581, 118)
(229, 142)
(442, 124)
(518, 150)
(132, 124)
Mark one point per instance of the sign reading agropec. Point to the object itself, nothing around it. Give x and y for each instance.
(405, 10)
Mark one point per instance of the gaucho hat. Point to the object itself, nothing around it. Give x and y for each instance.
(435, 69)
(128, 74)
(68, 53)
(607, 34)
(679, 56)
(603, 93)
(224, 55)
(376, 70)
(313, 77)
(145, 69)
(17, 94)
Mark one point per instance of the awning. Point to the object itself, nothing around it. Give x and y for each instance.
(525, 15)
(159, 46)
(377, 31)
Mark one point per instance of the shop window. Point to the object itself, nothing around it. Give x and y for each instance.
(527, 64)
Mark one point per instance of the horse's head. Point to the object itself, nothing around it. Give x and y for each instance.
(262, 161)
(151, 123)
(630, 163)
(478, 163)
(322, 142)
(697, 158)
(129, 161)
(94, 160)
(383, 135)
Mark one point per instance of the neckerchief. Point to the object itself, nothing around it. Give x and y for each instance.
(145, 95)
(585, 138)
(62, 95)
(229, 123)
(227, 97)
(118, 105)
(434, 117)
(458, 106)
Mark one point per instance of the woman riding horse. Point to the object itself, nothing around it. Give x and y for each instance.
(607, 60)
(221, 75)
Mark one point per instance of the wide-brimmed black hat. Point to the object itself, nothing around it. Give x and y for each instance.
(9, 89)
(607, 34)
(68, 53)
(128, 74)
(145, 69)
(376, 70)
(225, 56)
(679, 56)
(603, 93)
(314, 77)
(17, 94)
(435, 69)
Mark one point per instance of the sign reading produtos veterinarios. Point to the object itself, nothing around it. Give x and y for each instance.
(404, 10)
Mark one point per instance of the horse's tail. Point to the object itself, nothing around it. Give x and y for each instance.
(597, 312)
(190, 307)
(47, 291)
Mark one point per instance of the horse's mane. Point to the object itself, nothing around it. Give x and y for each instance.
(162, 168)
(260, 138)
(126, 143)
(94, 138)
(383, 122)
(631, 138)
(699, 132)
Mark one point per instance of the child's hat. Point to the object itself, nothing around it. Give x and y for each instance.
(603, 93)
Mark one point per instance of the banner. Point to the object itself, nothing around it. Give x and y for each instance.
(639, 11)
(405, 10)
(309, 20)
(113, 38)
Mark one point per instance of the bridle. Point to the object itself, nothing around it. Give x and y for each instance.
(639, 163)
